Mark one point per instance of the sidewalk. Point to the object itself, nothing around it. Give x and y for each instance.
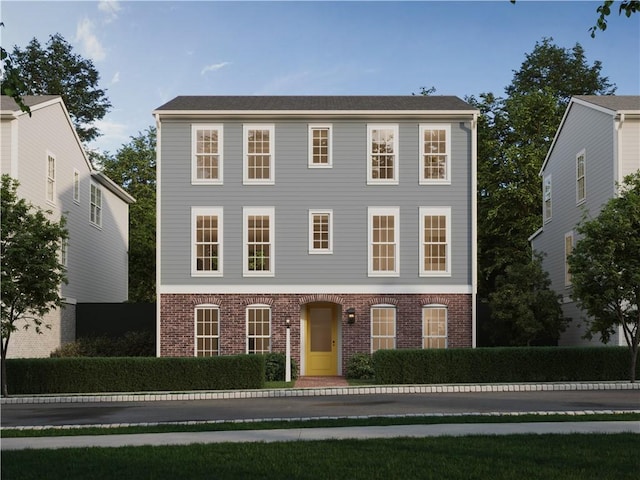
(305, 434)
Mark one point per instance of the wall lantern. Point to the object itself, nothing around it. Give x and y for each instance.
(351, 315)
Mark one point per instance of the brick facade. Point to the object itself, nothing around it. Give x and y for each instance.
(177, 320)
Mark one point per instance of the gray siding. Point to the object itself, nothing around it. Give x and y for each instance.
(297, 189)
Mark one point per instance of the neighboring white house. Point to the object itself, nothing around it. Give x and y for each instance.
(597, 144)
(44, 153)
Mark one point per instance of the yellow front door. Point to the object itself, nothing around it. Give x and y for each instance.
(322, 352)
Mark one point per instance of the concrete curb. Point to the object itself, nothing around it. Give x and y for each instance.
(311, 392)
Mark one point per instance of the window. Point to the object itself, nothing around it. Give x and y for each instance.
(383, 241)
(581, 186)
(382, 154)
(76, 186)
(64, 252)
(320, 146)
(51, 178)
(320, 231)
(206, 154)
(568, 250)
(258, 241)
(96, 205)
(435, 241)
(383, 327)
(435, 154)
(206, 241)
(258, 154)
(207, 331)
(547, 198)
(434, 326)
(258, 329)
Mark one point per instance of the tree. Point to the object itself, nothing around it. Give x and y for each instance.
(604, 10)
(134, 169)
(605, 268)
(10, 82)
(56, 70)
(514, 136)
(32, 271)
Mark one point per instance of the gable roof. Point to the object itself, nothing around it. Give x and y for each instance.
(319, 103)
(9, 105)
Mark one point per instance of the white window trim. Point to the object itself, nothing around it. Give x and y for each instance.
(430, 181)
(547, 195)
(91, 205)
(245, 154)
(194, 162)
(64, 252)
(579, 200)
(424, 211)
(313, 127)
(446, 324)
(270, 212)
(218, 211)
(395, 323)
(76, 186)
(396, 153)
(320, 251)
(246, 324)
(204, 306)
(389, 211)
(53, 179)
(567, 275)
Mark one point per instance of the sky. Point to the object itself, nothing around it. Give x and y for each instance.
(148, 52)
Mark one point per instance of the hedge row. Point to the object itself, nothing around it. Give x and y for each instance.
(134, 374)
(489, 365)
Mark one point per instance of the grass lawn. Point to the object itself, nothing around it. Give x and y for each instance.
(523, 457)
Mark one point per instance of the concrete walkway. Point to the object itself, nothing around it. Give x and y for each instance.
(305, 434)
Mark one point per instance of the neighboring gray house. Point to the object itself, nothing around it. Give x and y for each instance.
(597, 144)
(44, 153)
(351, 219)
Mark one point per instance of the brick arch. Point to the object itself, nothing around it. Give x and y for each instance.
(206, 299)
(321, 297)
(435, 300)
(383, 301)
(258, 300)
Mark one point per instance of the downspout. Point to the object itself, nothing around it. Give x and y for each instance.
(617, 161)
(158, 231)
(474, 228)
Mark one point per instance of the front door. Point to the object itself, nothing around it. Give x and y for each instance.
(322, 352)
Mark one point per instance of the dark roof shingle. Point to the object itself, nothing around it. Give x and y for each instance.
(613, 102)
(8, 103)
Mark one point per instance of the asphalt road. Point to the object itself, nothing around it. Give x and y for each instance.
(319, 406)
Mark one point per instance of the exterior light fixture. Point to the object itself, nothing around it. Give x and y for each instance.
(351, 315)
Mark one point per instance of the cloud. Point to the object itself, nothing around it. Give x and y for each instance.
(115, 78)
(89, 43)
(110, 8)
(214, 67)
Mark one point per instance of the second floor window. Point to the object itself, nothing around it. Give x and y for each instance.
(547, 198)
(206, 241)
(206, 167)
(435, 153)
(383, 241)
(96, 205)
(382, 154)
(76, 186)
(258, 241)
(51, 178)
(258, 154)
(581, 185)
(435, 241)
(320, 231)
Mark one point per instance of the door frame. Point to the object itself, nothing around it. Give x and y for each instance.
(305, 325)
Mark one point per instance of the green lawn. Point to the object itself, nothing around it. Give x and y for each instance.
(523, 457)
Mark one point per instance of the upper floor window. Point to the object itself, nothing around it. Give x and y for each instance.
(382, 154)
(581, 185)
(76, 186)
(320, 231)
(206, 241)
(568, 250)
(206, 154)
(258, 329)
(96, 205)
(51, 178)
(434, 326)
(320, 146)
(547, 198)
(435, 241)
(258, 241)
(435, 154)
(383, 327)
(258, 154)
(383, 241)
(64, 252)
(207, 331)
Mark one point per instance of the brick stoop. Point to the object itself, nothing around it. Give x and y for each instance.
(320, 382)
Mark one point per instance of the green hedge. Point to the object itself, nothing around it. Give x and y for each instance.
(134, 374)
(489, 365)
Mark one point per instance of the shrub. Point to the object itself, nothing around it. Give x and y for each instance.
(131, 344)
(275, 363)
(360, 366)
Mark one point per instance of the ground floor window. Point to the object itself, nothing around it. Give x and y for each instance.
(258, 329)
(383, 327)
(207, 331)
(434, 326)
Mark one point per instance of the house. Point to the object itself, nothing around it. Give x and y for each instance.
(597, 144)
(44, 153)
(350, 220)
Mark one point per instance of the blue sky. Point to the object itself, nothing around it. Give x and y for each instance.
(148, 52)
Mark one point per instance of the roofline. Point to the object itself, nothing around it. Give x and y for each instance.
(18, 112)
(113, 186)
(333, 113)
(600, 108)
